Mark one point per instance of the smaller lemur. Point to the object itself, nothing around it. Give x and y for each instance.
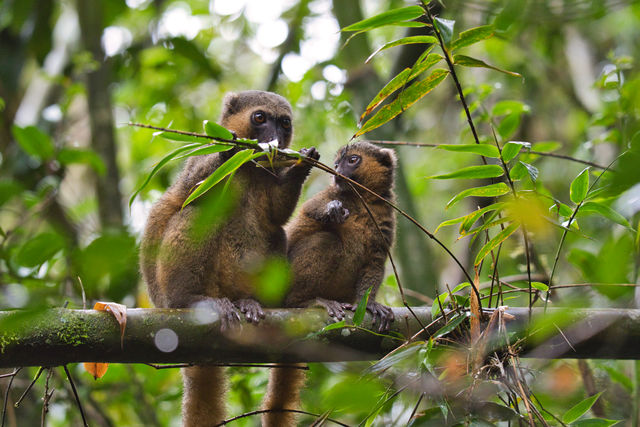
(337, 253)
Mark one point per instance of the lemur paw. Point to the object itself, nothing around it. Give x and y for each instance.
(381, 313)
(311, 153)
(336, 213)
(334, 308)
(251, 309)
(229, 316)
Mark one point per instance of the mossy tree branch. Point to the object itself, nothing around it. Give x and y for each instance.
(59, 336)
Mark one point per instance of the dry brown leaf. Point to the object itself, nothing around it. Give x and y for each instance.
(119, 312)
(96, 369)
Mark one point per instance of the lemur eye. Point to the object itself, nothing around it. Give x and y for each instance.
(353, 160)
(259, 117)
(286, 123)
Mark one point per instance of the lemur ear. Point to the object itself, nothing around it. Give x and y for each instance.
(230, 104)
(388, 157)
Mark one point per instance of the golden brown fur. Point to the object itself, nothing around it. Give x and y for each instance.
(198, 256)
(337, 253)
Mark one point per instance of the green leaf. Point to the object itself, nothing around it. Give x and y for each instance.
(540, 286)
(9, 189)
(361, 310)
(546, 146)
(207, 149)
(512, 148)
(460, 287)
(394, 358)
(481, 149)
(403, 41)
(518, 171)
(511, 12)
(166, 159)
(579, 187)
(509, 125)
(39, 249)
(471, 218)
(227, 168)
(338, 325)
(68, 156)
(492, 190)
(594, 422)
(592, 207)
(173, 136)
(505, 107)
(497, 239)
(532, 170)
(445, 26)
(437, 302)
(578, 410)
(561, 209)
(407, 98)
(473, 172)
(390, 17)
(472, 36)
(467, 61)
(400, 80)
(34, 142)
(216, 131)
(450, 326)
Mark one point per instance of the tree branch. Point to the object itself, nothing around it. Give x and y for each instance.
(60, 336)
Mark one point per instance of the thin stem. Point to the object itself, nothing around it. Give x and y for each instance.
(29, 387)
(6, 395)
(566, 230)
(75, 394)
(263, 411)
(435, 145)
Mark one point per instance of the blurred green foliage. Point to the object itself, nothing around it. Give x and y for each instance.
(170, 63)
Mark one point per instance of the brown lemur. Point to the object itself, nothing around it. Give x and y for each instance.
(337, 253)
(191, 257)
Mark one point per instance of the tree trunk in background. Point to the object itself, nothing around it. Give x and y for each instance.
(414, 253)
(100, 114)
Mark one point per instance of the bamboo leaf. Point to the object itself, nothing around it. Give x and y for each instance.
(594, 422)
(406, 99)
(497, 239)
(227, 168)
(453, 323)
(481, 149)
(400, 80)
(512, 148)
(467, 61)
(358, 316)
(403, 41)
(173, 136)
(390, 17)
(216, 131)
(473, 172)
(446, 28)
(207, 149)
(472, 36)
(471, 218)
(33, 141)
(492, 190)
(540, 286)
(166, 159)
(531, 170)
(580, 409)
(592, 207)
(579, 187)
